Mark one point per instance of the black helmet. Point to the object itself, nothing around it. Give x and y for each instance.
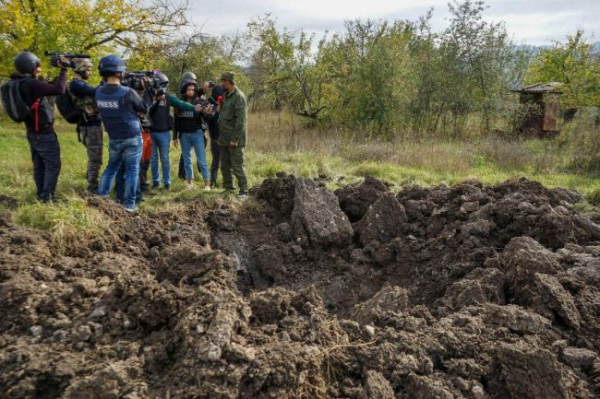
(189, 76)
(111, 63)
(26, 62)
(160, 81)
(185, 84)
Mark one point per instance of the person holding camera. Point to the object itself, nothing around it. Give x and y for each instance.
(43, 142)
(189, 131)
(162, 123)
(139, 84)
(232, 136)
(89, 128)
(120, 109)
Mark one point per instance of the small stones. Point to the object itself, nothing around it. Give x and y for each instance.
(36, 331)
(99, 312)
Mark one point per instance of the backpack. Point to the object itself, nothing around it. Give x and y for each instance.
(13, 102)
(67, 106)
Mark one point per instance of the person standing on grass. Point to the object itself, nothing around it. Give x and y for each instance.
(89, 128)
(120, 109)
(43, 142)
(146, 149)
(162, 123)
(232, 136)
(217, 94)
(188, 129)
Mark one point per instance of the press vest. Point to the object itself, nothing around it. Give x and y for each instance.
(119, 119)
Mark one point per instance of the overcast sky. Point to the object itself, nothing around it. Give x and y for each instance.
(528, 21)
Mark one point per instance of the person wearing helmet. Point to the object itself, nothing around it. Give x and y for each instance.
(162, 123)
(119, 108)
(189, 130)
(43, 142)
(89, 129)
(189, 76)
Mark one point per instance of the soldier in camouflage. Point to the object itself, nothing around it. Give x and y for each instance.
(232, 136)
(89, 128)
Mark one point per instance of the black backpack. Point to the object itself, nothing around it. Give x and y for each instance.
(13, 102)
(67, 106)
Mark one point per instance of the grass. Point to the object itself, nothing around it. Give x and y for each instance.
(279, 142)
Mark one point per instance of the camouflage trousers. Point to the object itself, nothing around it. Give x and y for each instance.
(91, 137)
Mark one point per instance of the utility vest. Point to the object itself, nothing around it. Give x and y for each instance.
(120, 121)
(42, 111)
(186, 122)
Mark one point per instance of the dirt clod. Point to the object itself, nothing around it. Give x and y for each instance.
(471, 291)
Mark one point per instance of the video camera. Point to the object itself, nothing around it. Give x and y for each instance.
(55, 58)
(134, 79)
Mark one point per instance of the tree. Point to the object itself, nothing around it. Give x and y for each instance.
(574, 64)
(96, 27)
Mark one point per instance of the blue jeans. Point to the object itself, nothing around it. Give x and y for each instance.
(161, 142)
(120, 186)
(129, 152)
(195, 141)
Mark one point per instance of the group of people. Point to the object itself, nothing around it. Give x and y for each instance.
(138, 120)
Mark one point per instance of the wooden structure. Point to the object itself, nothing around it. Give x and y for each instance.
(540, 103)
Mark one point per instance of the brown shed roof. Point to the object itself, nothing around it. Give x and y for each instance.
(550, 87)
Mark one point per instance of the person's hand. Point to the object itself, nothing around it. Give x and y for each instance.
(162, 97)
(64, 62)
(176, 143)
(233, 144)
(198, 107)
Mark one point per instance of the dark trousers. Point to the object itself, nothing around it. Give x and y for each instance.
(216, 160)
(144, 167)
(232, 163)
(45, 154)
(91, 137)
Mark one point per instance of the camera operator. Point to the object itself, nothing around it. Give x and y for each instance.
(139, 84)
(162, 123)
(120, 108)
(89, 128)
(43, 142)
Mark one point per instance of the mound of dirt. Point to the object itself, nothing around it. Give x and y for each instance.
(466, 292)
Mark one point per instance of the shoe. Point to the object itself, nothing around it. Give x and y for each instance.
(131, 210)
(206, 188)
(190, 186)
(242, 196)
(167, 187)
(155, 185)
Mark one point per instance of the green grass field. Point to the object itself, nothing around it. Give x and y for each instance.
(279, 144)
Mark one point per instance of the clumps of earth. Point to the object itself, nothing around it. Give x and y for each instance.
(471, 291)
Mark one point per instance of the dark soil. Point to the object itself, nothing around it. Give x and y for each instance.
(465, 292)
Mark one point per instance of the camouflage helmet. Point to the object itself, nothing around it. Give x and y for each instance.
(189, 76)
(81, 64)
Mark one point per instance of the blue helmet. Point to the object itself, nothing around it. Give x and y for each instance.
(111, 63)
